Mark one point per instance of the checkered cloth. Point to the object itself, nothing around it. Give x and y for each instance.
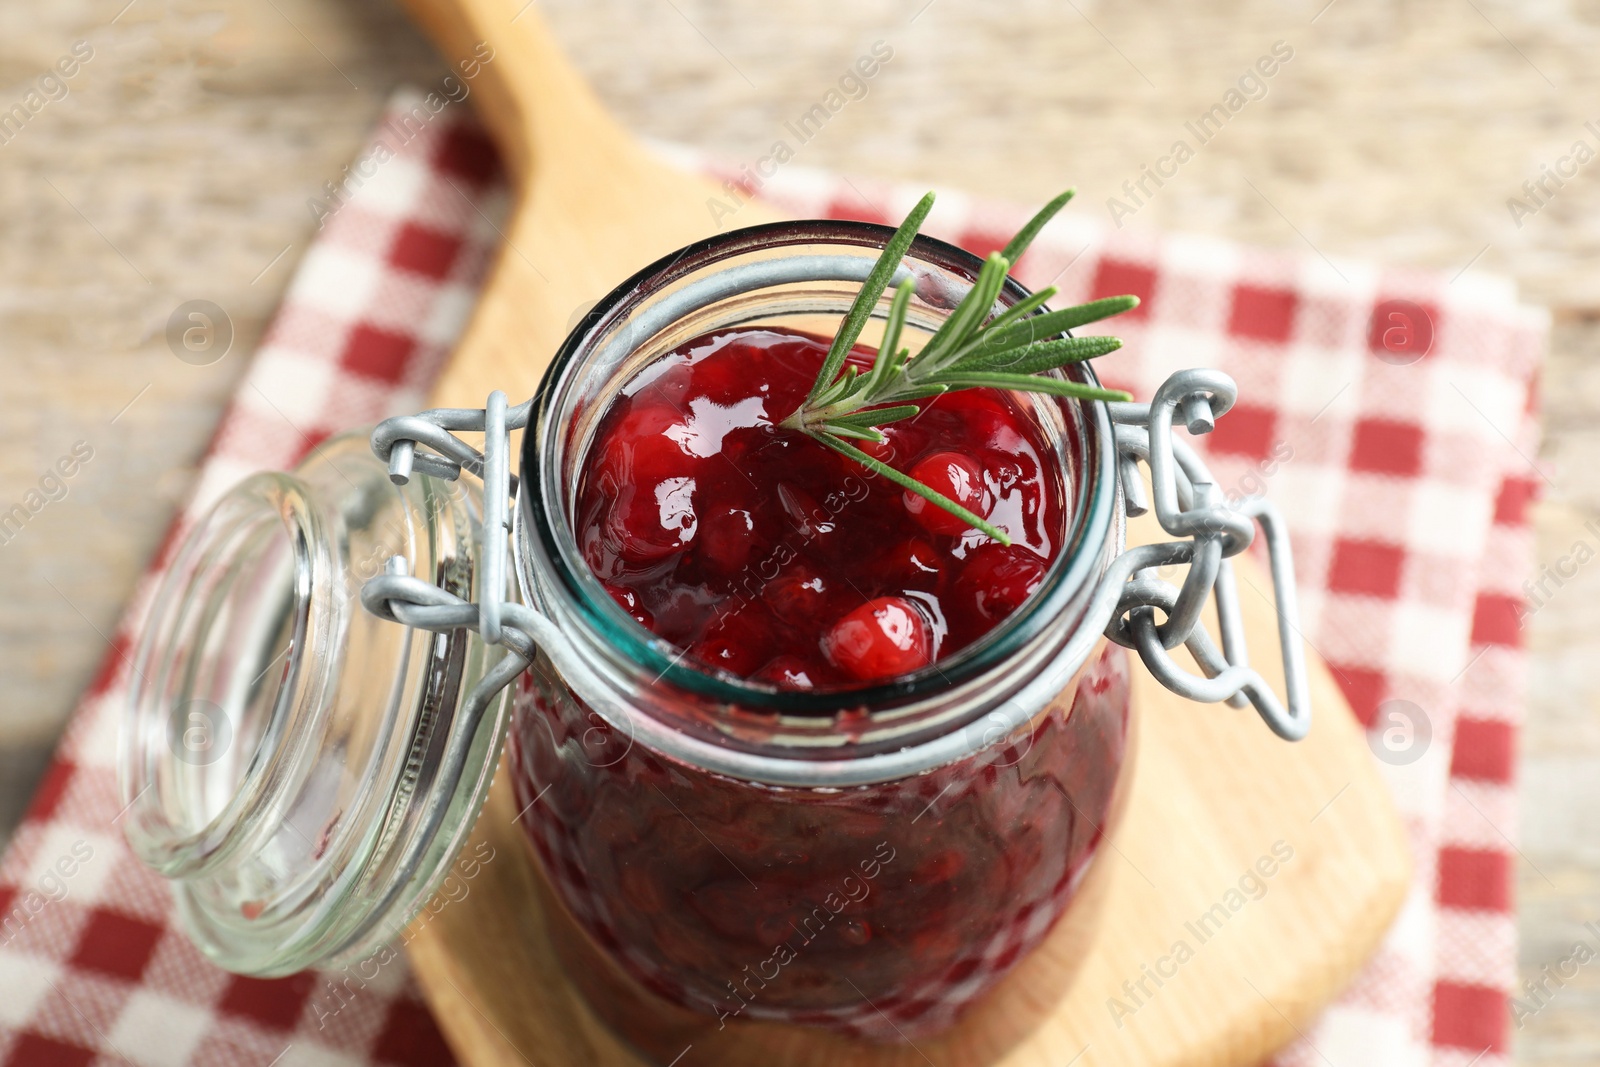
(1405, 484)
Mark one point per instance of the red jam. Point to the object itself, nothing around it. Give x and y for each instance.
(881, 910)
(770, 556)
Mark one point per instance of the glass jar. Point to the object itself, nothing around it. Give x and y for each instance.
(869, 860)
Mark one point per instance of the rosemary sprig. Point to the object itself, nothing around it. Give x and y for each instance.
(970, 350)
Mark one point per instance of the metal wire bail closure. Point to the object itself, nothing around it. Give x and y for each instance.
(1207, 531)
(411, 601)
(1211, 531)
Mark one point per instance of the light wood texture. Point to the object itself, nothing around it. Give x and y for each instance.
(192, 141)
(1212, 793)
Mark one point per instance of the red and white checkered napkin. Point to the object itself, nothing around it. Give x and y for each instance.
(1405, 488)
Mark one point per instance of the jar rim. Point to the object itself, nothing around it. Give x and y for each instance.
(1073, 570)
(185, 828)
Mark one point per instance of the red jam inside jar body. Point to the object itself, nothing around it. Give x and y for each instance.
(880, 910)
(744, 901)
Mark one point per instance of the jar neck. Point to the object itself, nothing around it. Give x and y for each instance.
(792, 275)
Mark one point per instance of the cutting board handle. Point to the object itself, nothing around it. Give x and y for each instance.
(529, 95)
(590, 205)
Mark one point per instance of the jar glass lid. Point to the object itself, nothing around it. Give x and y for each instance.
(282, 752)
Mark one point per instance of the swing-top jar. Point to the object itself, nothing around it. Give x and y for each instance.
(318, 713)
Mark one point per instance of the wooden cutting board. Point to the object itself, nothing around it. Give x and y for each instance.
(1212, 792)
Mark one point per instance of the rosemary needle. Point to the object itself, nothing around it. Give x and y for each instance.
(970, 350)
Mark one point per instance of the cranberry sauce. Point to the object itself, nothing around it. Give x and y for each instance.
(881, 911)
(767, 555)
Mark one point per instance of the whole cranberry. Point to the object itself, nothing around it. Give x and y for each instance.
(629, 601)
(650, 522)
(882, 638)
(912, 564)
(954, 475)
(997, 579)
(725, 538)
(798, 596)
(644, 446)
(733, 642)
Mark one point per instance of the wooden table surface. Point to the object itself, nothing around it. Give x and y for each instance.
(179, 163)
